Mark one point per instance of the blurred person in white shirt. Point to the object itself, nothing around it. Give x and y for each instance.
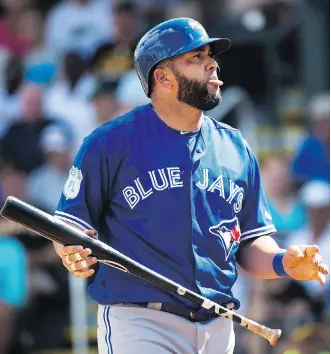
(79, 25)
(315, 195)
(45, 184)
(129, 91)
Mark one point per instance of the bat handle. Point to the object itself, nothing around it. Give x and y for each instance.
(271, 335)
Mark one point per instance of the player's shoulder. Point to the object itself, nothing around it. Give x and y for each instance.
(224, 129)
(234, 134)
(221, 126)
(121, 127)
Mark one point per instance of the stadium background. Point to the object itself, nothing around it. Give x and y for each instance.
(66, 67)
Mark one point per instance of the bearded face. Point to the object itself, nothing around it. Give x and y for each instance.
(195, 93)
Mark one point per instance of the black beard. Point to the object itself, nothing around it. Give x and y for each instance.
(195, 93)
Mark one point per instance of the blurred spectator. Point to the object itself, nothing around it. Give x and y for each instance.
(70, 81)
(13, 76)
(11, 36)
(10, 105)
(7, 326)
(13, 287)
(245, 5)
(316, 197)
(105, 104)
(127, 23)
(288, 214)
(190, 9)
(312, 161)
(129, 92)
(12, 182)
(35, 276)
(114, 58)
(45, 184)
(211, 11)
(46, 313)
(13, 264)
(40, 60)
(67, 98)
(79, 25)
(154, 12)
(310, 339)
(112, 61)
(19, 147)
(48, 307)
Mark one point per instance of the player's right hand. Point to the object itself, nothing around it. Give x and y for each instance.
(77, 259)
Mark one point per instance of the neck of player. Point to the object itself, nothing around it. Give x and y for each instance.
(178, 115)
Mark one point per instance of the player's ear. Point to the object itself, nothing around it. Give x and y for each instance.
(163, 77)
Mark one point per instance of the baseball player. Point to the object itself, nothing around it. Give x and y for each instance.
(180, 193)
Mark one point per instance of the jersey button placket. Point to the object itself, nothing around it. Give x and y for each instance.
(198, 153)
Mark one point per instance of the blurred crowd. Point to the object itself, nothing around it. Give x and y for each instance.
(66, 67)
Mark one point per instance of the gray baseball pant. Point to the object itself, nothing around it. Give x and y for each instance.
(130, 329)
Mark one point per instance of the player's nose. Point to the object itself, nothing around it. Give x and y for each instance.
(212, 66)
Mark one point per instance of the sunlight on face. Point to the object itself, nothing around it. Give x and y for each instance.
(193, 70)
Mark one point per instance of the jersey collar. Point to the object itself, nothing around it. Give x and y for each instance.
(205, 132)
(205, 128)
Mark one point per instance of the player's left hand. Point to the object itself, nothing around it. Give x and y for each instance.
(303, 262)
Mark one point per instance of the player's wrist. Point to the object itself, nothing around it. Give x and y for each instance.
(277, 264)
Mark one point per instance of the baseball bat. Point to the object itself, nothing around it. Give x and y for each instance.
(54, 229)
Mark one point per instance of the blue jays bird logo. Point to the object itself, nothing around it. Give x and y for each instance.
(229, 233)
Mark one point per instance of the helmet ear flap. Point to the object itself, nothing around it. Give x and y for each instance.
(151, 81)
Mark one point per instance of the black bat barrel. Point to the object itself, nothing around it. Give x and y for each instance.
(47, 225)
(54, 229)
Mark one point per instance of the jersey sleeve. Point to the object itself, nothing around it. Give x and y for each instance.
(256, 219)
(85, 191)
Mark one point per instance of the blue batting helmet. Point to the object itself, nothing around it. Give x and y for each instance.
(169, 39)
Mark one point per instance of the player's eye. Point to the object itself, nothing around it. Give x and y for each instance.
(199, 56)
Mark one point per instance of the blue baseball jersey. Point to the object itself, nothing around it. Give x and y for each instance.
(180, 204)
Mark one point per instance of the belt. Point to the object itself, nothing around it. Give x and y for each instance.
(200, 315)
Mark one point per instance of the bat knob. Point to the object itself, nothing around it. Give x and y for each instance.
(276, 335)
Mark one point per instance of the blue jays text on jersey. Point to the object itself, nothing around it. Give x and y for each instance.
(171, 178)
(179, 208)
